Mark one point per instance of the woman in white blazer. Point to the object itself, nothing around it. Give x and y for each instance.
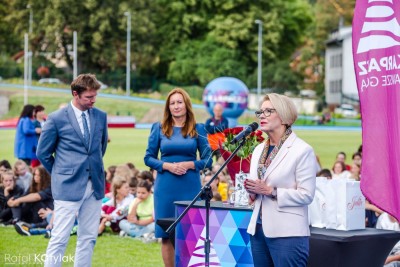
(280, 186)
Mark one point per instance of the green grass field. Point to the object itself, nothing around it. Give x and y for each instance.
(110, 250)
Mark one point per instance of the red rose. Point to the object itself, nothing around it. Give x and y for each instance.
(237, 130)
(260, 139)
(259, 133)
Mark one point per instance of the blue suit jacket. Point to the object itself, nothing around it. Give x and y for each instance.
(63, 152)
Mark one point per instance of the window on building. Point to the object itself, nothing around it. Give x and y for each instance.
(335, 86)
(336, 61)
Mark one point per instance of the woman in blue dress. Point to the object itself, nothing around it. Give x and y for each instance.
(177, 138)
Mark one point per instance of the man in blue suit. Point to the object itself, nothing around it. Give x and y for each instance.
(71, 148)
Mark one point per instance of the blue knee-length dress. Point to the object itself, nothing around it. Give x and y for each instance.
(169, 187)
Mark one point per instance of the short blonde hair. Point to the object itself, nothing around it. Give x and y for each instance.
(6, 173)
(19, 163)
(284, 107)
(123, 171)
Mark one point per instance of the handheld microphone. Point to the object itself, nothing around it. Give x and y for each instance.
(243, 134)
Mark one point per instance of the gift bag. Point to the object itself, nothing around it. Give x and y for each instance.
(350, 205)
(317, 208)
(241, 197)
(330, 205)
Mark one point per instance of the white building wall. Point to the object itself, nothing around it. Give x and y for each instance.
(349, 77)
(333, 75)
(343, 73)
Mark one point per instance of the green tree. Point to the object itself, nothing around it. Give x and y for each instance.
(231, 25)
(185, 40)
(201, 61)
(9, 40)
(101, 29)
(279, 77)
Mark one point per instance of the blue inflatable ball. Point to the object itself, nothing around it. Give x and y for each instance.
(230, 92)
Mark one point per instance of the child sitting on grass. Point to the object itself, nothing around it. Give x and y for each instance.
(27, 207)
(8, 189)
(28, 229)
(140, 219)
(116, 208)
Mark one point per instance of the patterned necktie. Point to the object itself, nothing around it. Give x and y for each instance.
(86, 135)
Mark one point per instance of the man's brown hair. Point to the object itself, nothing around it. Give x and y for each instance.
(85, 82)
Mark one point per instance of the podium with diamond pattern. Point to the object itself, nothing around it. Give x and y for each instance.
(230, 242)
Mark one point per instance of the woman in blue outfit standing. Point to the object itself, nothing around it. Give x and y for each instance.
(26, 136)
(178, 138)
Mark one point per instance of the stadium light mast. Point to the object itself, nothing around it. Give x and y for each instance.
(128, 53)
(259, 59)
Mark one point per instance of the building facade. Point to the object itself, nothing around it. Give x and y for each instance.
(340, 79)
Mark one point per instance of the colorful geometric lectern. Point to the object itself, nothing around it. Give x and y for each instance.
(230, 242)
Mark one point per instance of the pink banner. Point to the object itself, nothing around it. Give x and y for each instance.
(376, 52)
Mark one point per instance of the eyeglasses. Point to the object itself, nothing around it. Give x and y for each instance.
(267, 112)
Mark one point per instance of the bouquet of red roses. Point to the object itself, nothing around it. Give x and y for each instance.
(241, 161)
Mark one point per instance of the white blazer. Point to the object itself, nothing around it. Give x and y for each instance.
(293, 173)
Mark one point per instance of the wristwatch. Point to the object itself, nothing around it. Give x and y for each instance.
(274, 193)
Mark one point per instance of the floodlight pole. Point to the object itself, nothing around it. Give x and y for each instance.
(29, 54)
(259, 59)
(75, 54)
(26, 52)
(128, 53)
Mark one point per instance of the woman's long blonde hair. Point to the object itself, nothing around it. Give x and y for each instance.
(189, 128)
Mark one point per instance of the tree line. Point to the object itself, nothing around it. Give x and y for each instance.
(186, 41)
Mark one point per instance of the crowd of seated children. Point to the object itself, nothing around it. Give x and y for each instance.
(121, 170)
(115, 209)
(26, 208)
(140, 220)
